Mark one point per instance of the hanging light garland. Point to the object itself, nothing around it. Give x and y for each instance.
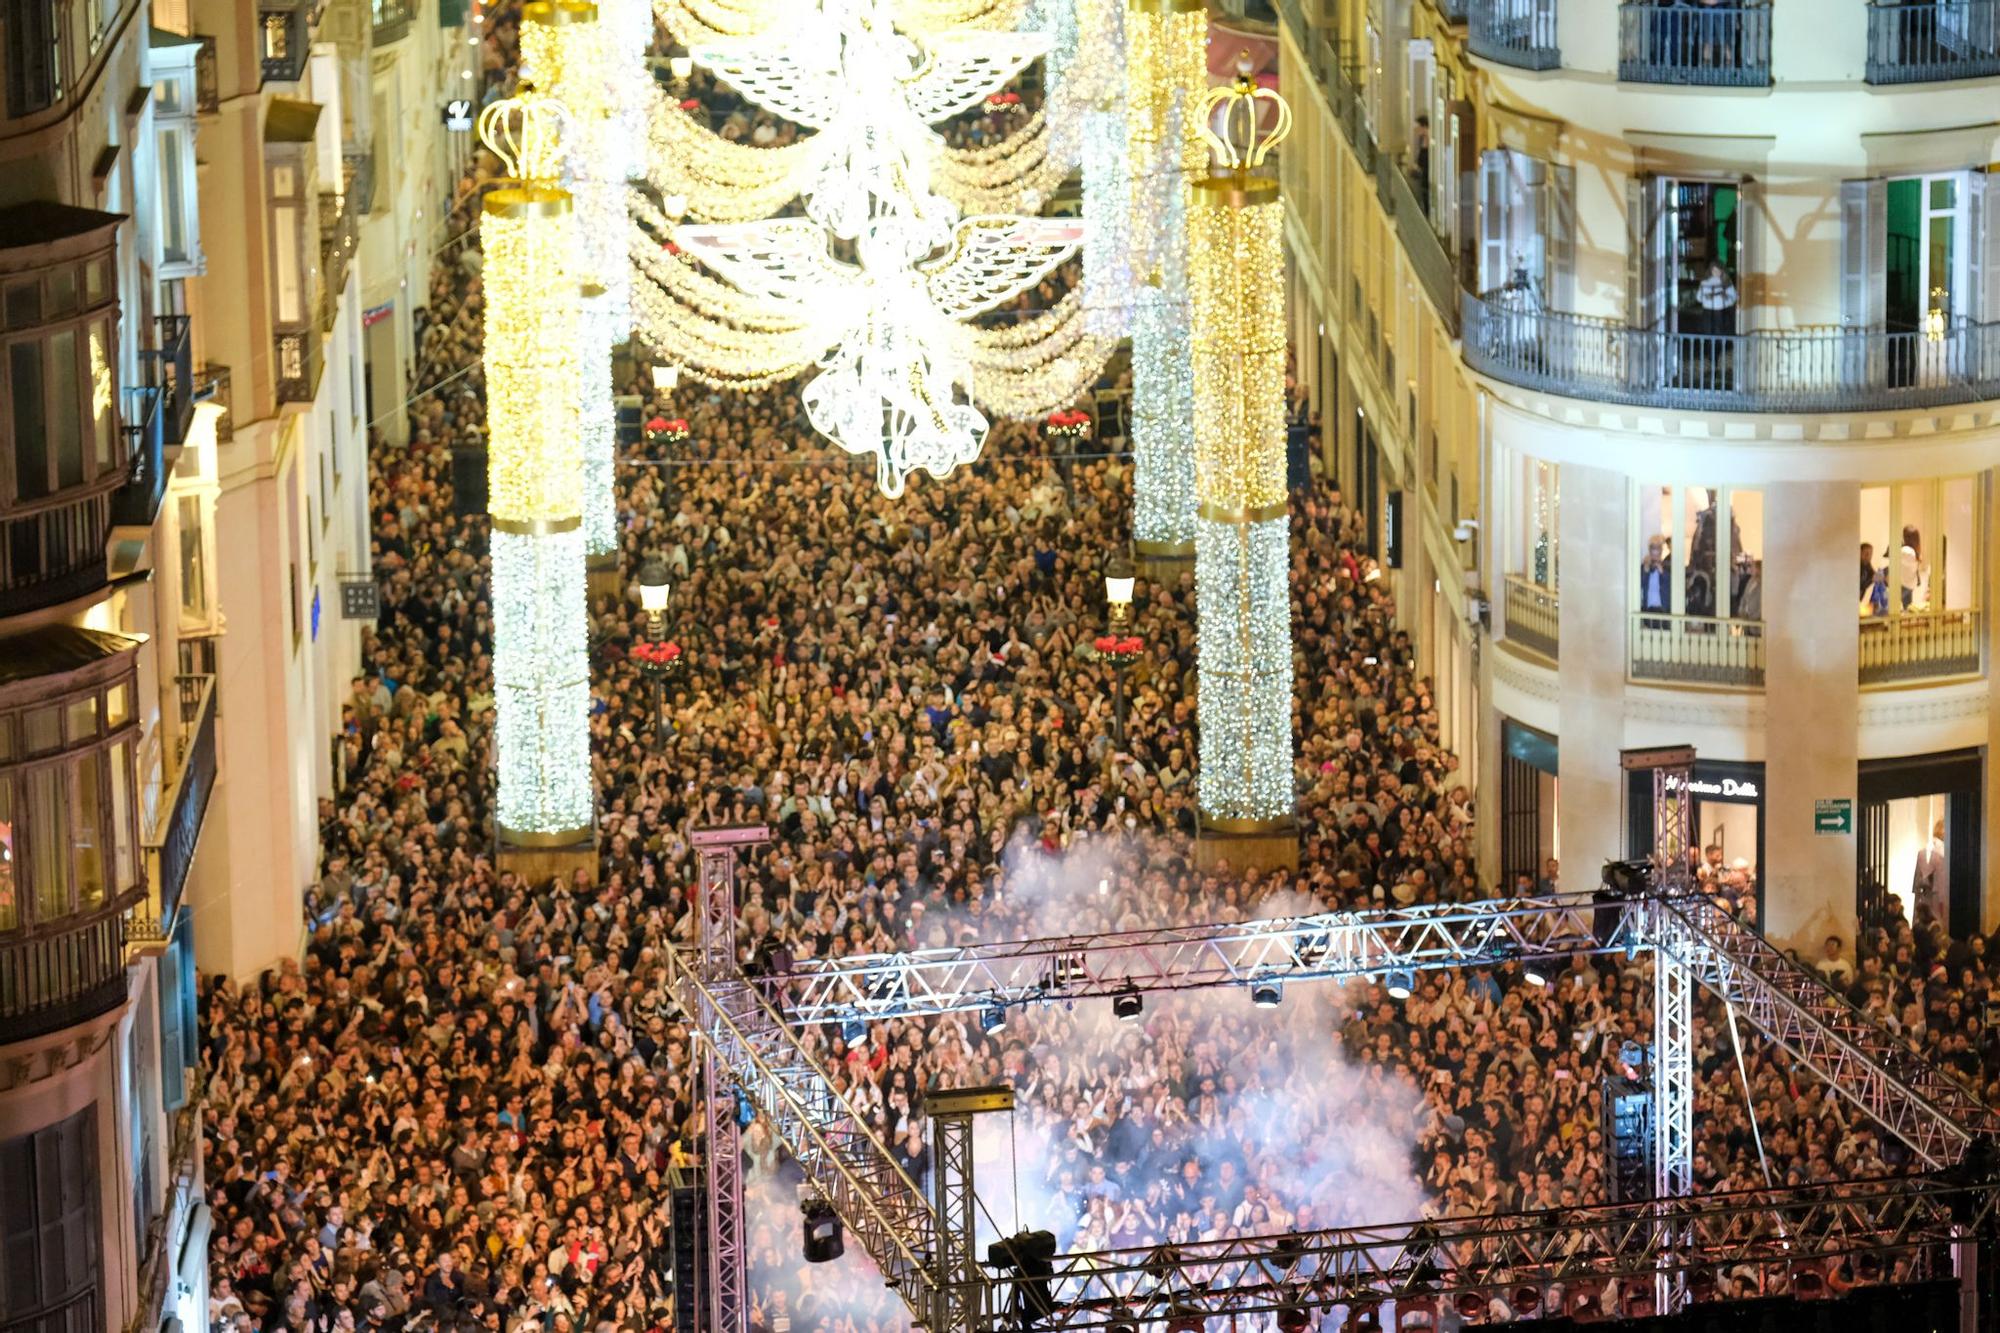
(1236, 280)
(898, 364)
(541, 668)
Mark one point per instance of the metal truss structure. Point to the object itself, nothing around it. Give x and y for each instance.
(1329, 946)
(1567, 1261)
(715, 942)
(1668, 1247)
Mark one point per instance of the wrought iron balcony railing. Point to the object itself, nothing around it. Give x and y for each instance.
(170, 368)
(63, 973)
(1697, 650)
(1521, 33)
(339, 235)
(1920, 645)
(392, 20)
(170, 849)
(137, 503)
(298, 355)
(1717, 46)
(1534, 616)
(207, 84)
(1929, 41)
(287, 38)
(1510, 338)
(358, 166)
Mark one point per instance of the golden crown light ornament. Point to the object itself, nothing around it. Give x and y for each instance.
(534, 492)
(1166, 78)
(1242, 548)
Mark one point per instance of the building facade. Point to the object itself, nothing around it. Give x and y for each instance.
(107, 725)
(324, 134)
(1675, 332)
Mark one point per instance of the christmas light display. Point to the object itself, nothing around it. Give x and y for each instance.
(534, 481)
(1167, 76)
(568, 52)
(902, 371)
(1236, 290)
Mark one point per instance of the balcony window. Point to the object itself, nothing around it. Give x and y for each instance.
(1698, 595)
(34, 56)
(290, 307)
(1918, 580)
(67, 837)
(1720, 43)
(1533, 567)
(1923, 41)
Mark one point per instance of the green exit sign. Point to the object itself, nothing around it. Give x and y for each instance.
(1832, 817)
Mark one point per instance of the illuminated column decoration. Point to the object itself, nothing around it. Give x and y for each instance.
(541, 668)
(1236, 277)
(566, 51)
(1107, 183)
(1167, 75)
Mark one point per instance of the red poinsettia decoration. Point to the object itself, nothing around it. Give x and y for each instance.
(656, 654)
(671, 429)
(1003, 99)
(1120, 647)
(1073, 425)
(690, 104)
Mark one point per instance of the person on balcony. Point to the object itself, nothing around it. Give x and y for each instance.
(1930, 886)
(1914, 571)
(1717, 297)
(1867, 568)
(1656, 575)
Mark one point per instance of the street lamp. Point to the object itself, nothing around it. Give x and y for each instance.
(656, 656)
(1118, 648)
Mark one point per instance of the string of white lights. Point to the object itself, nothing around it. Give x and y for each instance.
(717, 180)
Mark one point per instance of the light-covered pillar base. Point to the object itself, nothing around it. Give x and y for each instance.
(539, 865)
(602, 578)
(1247, 844)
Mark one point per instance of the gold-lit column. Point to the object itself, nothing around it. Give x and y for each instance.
(541, 668)
(1236, 277)
(1166, 44)
(566, 53)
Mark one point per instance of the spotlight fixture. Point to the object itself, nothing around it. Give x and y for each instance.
(992, 1018)
(1629, 879)
(1128, 1003)
(1293, 1318)
(853, 1031)
(1068, 969)
(1539, 969)
(1267, 994)
(825, 1240)
(1180, 1319)
(1031, 1257)
(1122, 1320)
(1401, 982)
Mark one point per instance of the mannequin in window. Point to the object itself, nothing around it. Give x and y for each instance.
(1914, 571)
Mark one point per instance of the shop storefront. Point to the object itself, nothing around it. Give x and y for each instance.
(1919, 833)
(1528, 802)
(1728, 816)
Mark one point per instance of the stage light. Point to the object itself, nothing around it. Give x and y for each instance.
(853, 1031)
(1180, 1319)
(1128, 1003)
(1293, 1318)
(1122, 1320)
(1030, 1257)
(1629, 879)
(1539, 969)
(993, 1018)
(824, 1240)
(1267, 994)
(1401, 982)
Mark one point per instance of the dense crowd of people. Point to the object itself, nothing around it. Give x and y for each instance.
(466, 1103)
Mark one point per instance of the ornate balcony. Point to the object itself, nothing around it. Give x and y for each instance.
(62, 975)
(1929, 41)
(1697, 650)
(1792, 370)
(1521, 33)
(391, 20)
(136, 504)
(1534, 616)
(298, 364)
(55, 552)
(286, 29)
(170, 363)
(1715, 45)
(183, 805)
(1920, 645)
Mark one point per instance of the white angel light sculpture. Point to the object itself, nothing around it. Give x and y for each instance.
(896, 382)
(872, 94)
